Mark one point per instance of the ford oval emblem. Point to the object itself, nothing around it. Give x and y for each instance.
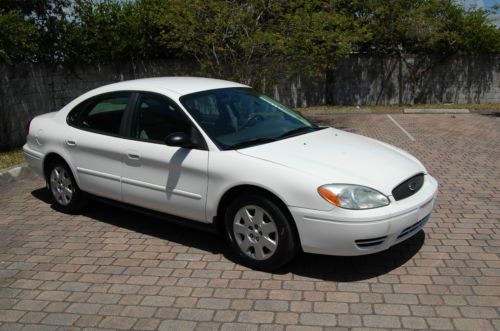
(412, 186)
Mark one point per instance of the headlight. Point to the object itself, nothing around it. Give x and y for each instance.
(352, 196)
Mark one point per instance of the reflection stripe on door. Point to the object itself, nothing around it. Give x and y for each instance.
(98, 174)
(161, 188)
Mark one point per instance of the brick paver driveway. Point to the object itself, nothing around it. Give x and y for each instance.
(114, 269)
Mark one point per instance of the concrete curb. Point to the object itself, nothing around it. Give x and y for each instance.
(353, 111)
(398, 111)
(436, 111)
(16, 173)
(340, 111)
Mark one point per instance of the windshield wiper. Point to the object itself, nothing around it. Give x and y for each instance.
(259, 141)
(296, 131)
(251, 142)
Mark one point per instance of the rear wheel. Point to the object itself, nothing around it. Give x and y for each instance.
(259, 232)
(67, 195)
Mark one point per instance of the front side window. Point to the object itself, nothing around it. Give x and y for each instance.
(156, 117)
(102, 114)
(242, 117)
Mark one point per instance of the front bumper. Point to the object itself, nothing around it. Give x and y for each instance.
(359, 232)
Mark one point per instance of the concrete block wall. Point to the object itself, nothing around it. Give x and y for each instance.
(33, 89)
(363, 80)
(28, 90)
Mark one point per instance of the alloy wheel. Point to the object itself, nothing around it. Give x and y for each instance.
(255, 232)
(61, 185)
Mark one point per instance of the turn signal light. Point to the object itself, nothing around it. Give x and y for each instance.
(329, 196)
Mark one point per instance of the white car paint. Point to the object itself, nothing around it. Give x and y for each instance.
(190, 183)
(337, 156)
(149, 183)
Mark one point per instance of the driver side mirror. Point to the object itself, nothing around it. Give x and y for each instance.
(179, 139)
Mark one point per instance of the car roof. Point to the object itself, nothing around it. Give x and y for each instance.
(179, 85)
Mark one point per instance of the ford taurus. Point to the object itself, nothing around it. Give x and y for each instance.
(218, 153)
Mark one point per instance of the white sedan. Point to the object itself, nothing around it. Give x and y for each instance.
(220, 154)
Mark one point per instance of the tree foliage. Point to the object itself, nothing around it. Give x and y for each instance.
(239, 38)
(427, 27)
(18, 38)
(48, 18)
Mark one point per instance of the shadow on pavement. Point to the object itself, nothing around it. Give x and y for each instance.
(332, 268)
(356, 268)
(494, 114)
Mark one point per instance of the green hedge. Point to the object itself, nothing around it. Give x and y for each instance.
(239, 39)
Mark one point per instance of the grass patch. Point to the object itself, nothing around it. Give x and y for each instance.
(473, 107)
(11, 158)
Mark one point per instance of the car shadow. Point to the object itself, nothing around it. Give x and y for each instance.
(356, 268)
(331, 268)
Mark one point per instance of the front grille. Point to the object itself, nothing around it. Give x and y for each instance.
(366, 243)
(413, 228)
(408, 188)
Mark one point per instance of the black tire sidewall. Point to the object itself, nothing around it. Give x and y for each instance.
(287, 246)
(78, 199)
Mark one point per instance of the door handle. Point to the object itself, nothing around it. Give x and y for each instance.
(133, 156)
(70, 142)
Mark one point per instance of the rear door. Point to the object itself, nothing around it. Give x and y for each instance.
(95, 144)
(169, 179)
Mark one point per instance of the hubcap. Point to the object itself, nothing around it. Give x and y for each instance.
(61, 185)
(255, 232)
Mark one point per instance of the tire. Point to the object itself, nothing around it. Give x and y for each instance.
(67, 195)
(260, 233)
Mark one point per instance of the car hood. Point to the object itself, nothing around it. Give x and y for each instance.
(337, 156)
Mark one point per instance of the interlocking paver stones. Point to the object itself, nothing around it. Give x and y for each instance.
(10, 315)
(117, 322)
(110, 268)
(60, 319)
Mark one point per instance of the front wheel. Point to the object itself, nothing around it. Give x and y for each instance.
(260, 233)
(67, 195)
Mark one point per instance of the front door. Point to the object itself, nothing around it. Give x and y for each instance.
(169, 179)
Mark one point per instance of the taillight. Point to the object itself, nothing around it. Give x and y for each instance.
(28, 128)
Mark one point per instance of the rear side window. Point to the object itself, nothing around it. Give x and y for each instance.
(102, 114)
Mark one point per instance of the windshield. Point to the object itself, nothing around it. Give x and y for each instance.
(242, 117)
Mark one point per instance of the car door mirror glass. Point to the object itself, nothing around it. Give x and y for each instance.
(179, 139)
